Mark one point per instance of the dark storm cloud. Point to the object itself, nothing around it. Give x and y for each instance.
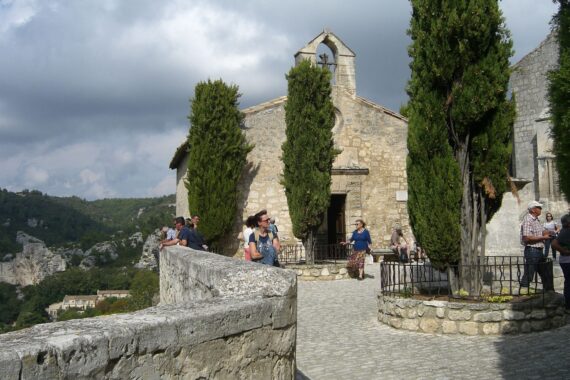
(94, 94)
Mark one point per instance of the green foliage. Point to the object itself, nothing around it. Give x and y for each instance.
(71, 220)
(559, 97)
(9, 303)
(29, 318)
(113, 305)
(142, 284)
(308, 152)
(144, 287)
(499, 299)
(459, 123)
(217, 157)
(404, 110)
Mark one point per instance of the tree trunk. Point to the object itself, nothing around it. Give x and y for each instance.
(310, 247)
(473, 229)
(466, 217)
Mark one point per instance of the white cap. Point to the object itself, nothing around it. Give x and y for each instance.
(533, 204)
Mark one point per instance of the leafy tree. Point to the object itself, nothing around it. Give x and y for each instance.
(217, 156)
(460, 124)
(29, 318)
(308, 152)
(144, 287)
(559, 97)
(9, 303)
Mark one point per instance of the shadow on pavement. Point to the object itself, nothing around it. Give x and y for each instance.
(301, 376)
(536, 355)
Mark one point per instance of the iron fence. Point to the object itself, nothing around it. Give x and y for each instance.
(323, 253)
(491, 276)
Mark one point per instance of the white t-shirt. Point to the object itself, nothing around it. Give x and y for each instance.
(550, 226)
(246, 233)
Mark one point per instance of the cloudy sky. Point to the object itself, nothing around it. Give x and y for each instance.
(94, 94)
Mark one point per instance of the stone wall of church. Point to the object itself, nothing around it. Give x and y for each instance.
(529, 84)
(370, 137)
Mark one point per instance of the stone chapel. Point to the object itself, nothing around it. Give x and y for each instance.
(369, 178)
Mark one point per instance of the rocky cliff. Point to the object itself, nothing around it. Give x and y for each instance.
(33, 264)
(150, 252)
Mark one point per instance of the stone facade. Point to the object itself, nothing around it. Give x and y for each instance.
(533, 162)
(218, 318)
(445, 317)
(369, 176)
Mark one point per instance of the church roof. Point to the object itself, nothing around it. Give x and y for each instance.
(552, 35)
(278, 101)
(380, 108)
(182, 150)
(265, 105)
(179, 155)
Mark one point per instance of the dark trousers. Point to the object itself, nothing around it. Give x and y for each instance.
(534, 262)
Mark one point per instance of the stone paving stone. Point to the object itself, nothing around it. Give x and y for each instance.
(339, 337)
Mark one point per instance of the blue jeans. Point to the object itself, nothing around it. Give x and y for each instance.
(566, 270)
(534, 263)
(269, 256)
(547, 244)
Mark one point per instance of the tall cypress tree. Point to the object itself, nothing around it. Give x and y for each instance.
(308, 152)
(217, 156)
(460, 124)
(559, 97)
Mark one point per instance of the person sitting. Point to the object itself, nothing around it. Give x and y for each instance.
(398, 247)
(264, 246)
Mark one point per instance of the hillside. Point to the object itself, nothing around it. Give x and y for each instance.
(65, 221)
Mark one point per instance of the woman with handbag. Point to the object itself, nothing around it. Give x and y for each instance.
(361, 243)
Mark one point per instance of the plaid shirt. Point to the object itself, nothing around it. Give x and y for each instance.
(531, 226)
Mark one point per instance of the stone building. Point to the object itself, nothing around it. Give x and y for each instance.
(368, 178)
(533, 169)
(83, 303)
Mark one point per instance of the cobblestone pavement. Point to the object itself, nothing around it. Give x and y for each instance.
(339, 337)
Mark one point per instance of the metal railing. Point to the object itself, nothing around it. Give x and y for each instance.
(491, 276)
(324, 253)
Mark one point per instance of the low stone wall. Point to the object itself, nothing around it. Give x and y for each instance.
(319, 272)
(472, 318)
(218, 318)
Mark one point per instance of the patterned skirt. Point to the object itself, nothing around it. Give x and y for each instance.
(355, 262)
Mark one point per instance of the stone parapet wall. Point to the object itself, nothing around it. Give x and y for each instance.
(234, 320)
(320, 272)
(445, 317)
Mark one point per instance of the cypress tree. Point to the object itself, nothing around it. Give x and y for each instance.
(217, 156)
(559, 97)
(460, 124)
(308, 152)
